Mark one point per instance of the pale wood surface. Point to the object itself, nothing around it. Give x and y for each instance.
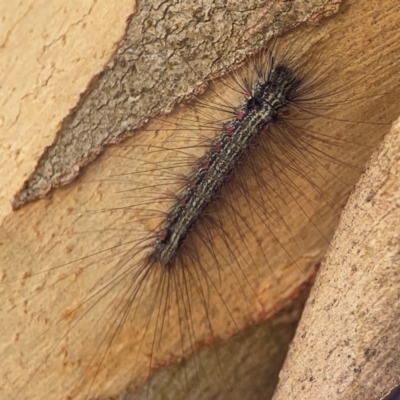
(48, 54)
(347, 344)
(364, 37)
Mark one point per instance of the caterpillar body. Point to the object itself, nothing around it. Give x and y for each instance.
(265, 101)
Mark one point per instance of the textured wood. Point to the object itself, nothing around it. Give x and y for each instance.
(347, 344)
(57, 230)
(49, 53)
(168, 51)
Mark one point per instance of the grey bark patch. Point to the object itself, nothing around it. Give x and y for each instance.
(169, 51)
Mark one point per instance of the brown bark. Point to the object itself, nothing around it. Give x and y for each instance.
(168, 48)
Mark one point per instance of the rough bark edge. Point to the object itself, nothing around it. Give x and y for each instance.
(84, 135)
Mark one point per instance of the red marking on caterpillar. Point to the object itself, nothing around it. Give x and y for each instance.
(217, 147)
(162, 235)
(229, 130)
(240, 115)
(205, 164)
(233, 179)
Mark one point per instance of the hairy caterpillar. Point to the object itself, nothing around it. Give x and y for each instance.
(82, 221)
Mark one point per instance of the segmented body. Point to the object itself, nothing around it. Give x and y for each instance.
(261, 108)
